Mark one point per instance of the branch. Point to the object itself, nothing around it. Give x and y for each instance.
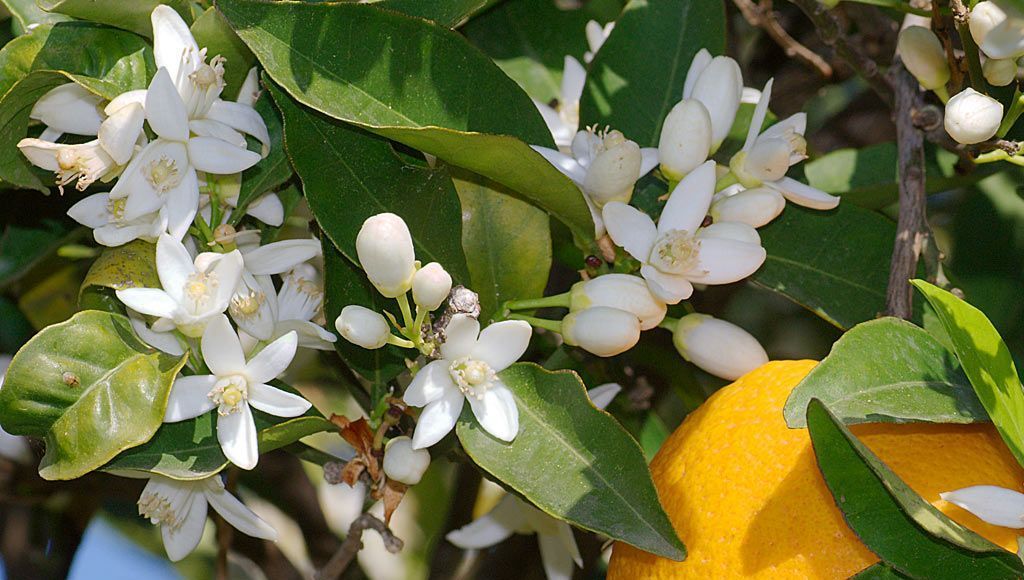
(341, 559)
(761, 16)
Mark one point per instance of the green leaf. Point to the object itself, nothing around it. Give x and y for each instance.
(132, 16)
(273, 170)
(190, 450)
(406, 79)
(132, 265)
(906, 531)
(507, 243)
(986, 361)
(213, 33)
(26, 13)
(90, 388)
(638, 74)
(450, 13)
(880, 571)
(349, 175)
(22, 246)
(888, 371)
(573, 461)
(835, 263)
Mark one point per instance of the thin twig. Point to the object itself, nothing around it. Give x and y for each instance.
(341, 559)
(761, 16)
(941, 30)
(912, 233)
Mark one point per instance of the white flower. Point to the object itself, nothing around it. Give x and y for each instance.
(601, 396)
(404, 463)
(563, 119)
(719, 347)
(166, 341)
(299, 303)
(985, 16)
(106, 218)
(998, 29)
(596, 35)
(766, 156)
(385, 251)
(68, 108)
(621, 291)
(718, 84)
(754, 207)
(924, 57)
(85, 163)
(468, 369)
(677, 252)
(179, 508)
(601, 330)
(685, 140)
(995, 505)
(1000, 71)
(234, 386)
(972, 117)
(194, 291)
(254, 306)
(266, 207)
(430, 286)
(363, 327)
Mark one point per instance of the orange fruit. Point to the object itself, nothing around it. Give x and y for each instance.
(744, 491)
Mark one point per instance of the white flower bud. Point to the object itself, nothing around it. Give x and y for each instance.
(984, 17)
(685, 140)
(768, 159)
(755, 207)
(924, 57)
(620, 291)
(718, 347)
(1000, 71)
(613, 172)
(404, 464)
(719, 88)
(385, 251)
(1002, 29)
(431, 285)
(972, 117)
(601, 330)
(362, 326)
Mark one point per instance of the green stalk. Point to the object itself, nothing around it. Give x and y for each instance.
(1014, 112)
(556, 301)
(894, 5)
(552, 325)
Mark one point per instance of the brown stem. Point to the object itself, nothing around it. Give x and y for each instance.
(761, 16)
(912, 233)
(341, 559)
(941, 29)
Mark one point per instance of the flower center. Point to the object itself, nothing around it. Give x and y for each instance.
(229, 393)
(675, 252)
(473, 377)
(159, 510)
(163, 174)
(246, 305)
(116, 208)
(199, 288)
(85, 165)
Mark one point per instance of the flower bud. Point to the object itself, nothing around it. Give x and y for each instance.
(404, 464)
(718, 347)
(620, 291)
(385, 251)
(362, 326)
(924, 57)
(986, 17)
(972, 117)
(613, 172)
(719, 88)
(601, 330)
(768, 159)
(430, 286)
(1000, 71)
(755, 207)
(685, 140)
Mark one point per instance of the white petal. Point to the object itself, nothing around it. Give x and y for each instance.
(174, 266)
(236, 433)
(260, 323)
(688, 204)
(215, 156)
(171, 39)
(279, 257)
(221, 349)
(573, 78)
(724, 261)
(163, 341)
(188, 398)
(273, 360)
(136, 97)
(119, 133)
(460, 337)
(502, 343)
(164, 109)
(310, 335)
(557, 561)
(242, 118)
(601, 396)
(760, 112)
(484, 532)
(91, 211)
(738, 231)
(40, 153)
(272, 400)
(429, 384)
(564, 163)
(151, 301)
(182, 203)
(50, 134)
(560, 131)
(700, 61)
(802, 194)
(217, 130)
(996, 505)
(228, 270)
(240, 517)
(69, 108)
(668, 288)
(181, 541)
(438, 419)
(250, 89)
(649, 159)
(797, 123)
(630, 228)
(497, 412)
(268, 209)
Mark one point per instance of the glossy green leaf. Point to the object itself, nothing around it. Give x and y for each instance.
(888, 371)
(15, 329)
(189, 449)
(638, 74)
(835, 263)
(507, 244)
(273, 170)
(130, 15)
(26, 14)
(573, 461)
(90, 388)
(986, 361)
(132, 265)
(22, 245)
(450, 13)
(349, 175)
(906, 531)
(213, 33)
(880, 571)
(405, 79)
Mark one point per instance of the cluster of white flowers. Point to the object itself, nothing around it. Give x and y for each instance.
(179, 190)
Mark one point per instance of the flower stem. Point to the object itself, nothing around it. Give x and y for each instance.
(1014, 112)
(558, 300)
(401, 342)
(552, 325)
(942, 93)
(669, 324)
(403, 304)
(899, 5)
(725, 181)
